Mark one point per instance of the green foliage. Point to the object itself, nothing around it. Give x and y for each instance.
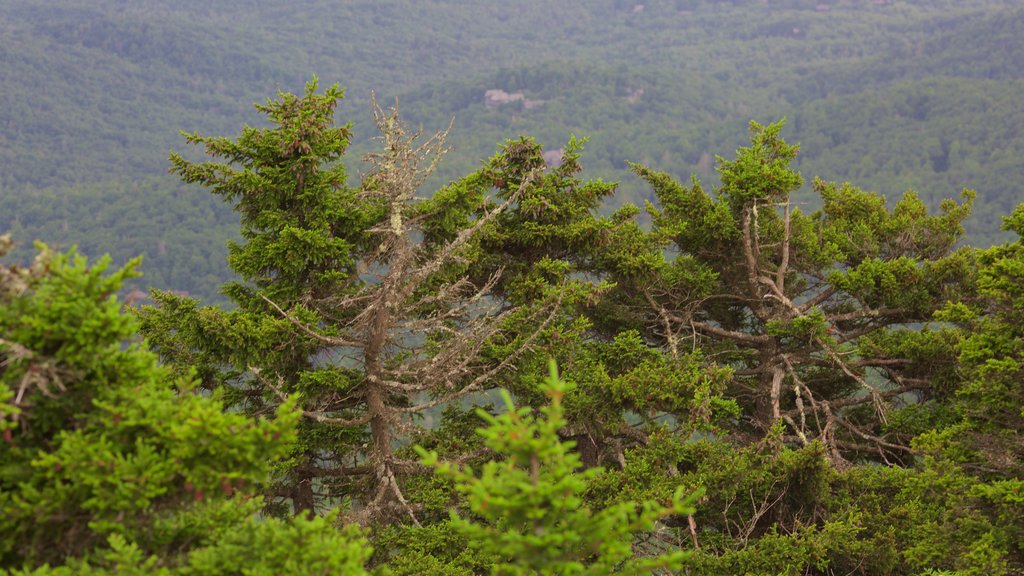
(303, 231)
(297, 546)
(300, 228)
(803, 307)
(981, 446)
(761, 171)
(931, 517)
(531, 515)
(111, 464)
(842, 382)
(988, 399)
(918, 95)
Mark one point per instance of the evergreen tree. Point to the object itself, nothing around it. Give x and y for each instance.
(110, 464)
(527, 507)
(812, 311)
(978, 451)
(989, 401)
(358, 299)
(301, 228)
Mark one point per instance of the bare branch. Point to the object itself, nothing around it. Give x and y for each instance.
(464, 236)
(506, 363)
(776, 390)
(779, 295)
(780, 275)
(818, 299)
(798, 429)
(751, 258)
(317, 416)
(666, 320)
(868, 313)
(332, 340)
(871, 437)
(877, 399)
(732, 334)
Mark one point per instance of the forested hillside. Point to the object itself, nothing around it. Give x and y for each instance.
(510, 375)
(892, 95)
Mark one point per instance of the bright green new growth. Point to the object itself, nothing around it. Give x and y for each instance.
(530, 504)
(785, 361)
(810, 310)
(111, 464)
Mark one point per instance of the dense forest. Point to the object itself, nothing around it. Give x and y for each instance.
(603, 323)
(738, 387)
(891, 95)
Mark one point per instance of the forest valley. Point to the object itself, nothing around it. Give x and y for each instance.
(499, 378)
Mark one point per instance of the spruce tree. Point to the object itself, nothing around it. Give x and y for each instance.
(813, 312)
(110, 464)
(527, 506)
(359, 300)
